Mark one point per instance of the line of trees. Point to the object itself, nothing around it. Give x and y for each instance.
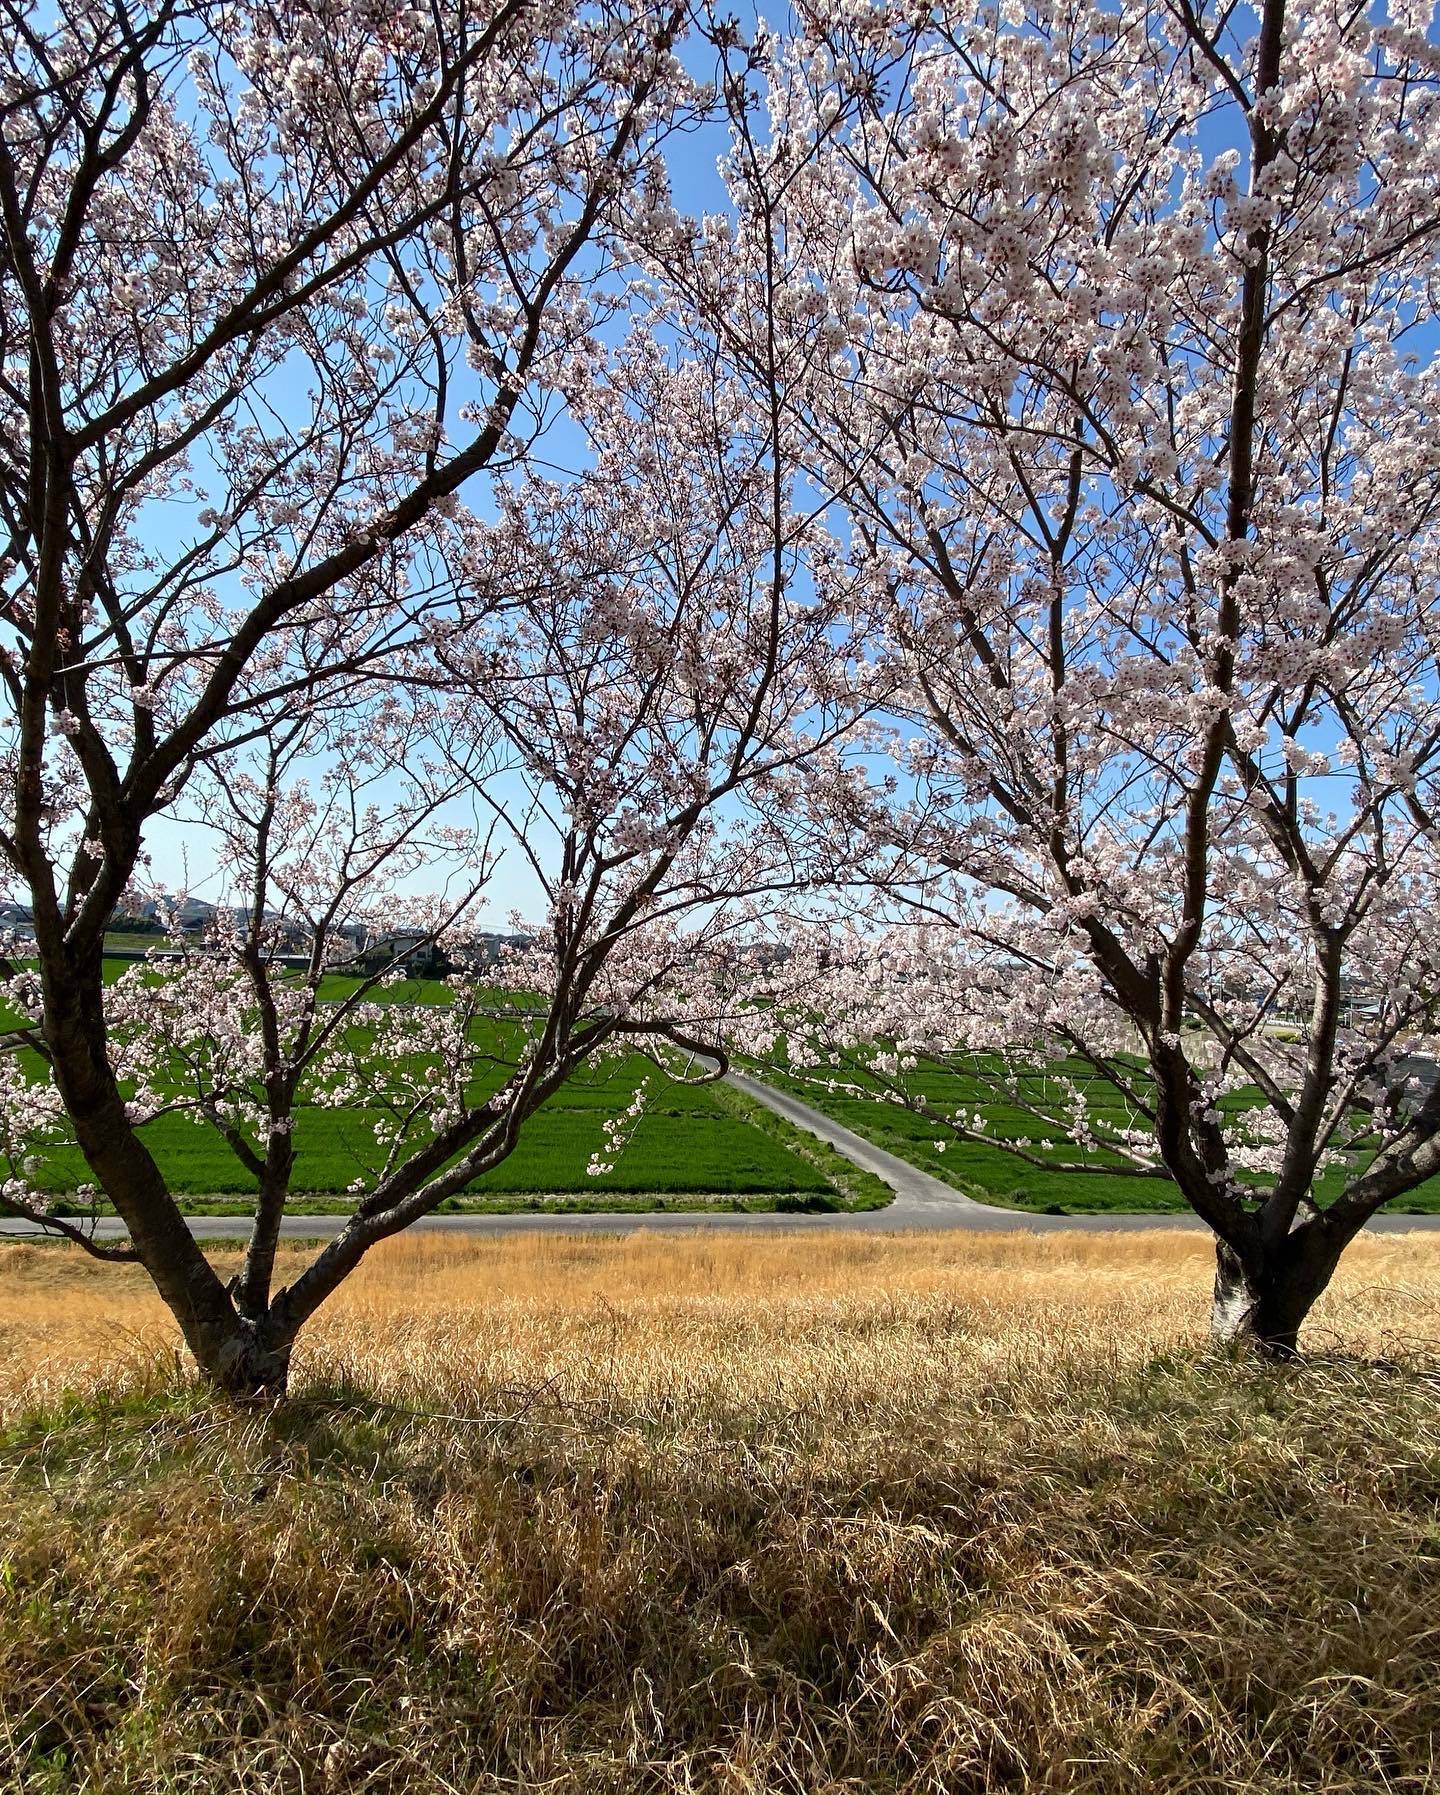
(996, 560)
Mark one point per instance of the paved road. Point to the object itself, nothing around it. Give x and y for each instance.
(925, 1202)
(921, 1203)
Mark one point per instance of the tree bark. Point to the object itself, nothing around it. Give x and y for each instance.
(1264, 1290)
(251, 1364)
(243, 1356)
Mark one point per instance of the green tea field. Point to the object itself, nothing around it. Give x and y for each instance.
(993, 1175)
(690, 1144)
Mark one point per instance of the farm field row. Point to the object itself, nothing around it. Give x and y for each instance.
(691, 1145)
(993, 1175)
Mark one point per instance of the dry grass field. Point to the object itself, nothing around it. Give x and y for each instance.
(809, 1513)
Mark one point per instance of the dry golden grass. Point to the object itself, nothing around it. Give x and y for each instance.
(808, 1512)
(434, 1316)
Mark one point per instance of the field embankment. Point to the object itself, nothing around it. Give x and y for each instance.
(792, 1514)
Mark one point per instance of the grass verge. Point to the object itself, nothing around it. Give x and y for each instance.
(857, 1188)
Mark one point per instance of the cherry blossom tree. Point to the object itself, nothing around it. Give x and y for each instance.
(284, 1004)
(288, 294)
(1131, 406)
(685, 655)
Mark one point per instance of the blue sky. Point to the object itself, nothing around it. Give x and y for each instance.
(181, 853)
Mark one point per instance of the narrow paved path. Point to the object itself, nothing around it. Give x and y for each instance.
(921, 1203)
(916, 1192)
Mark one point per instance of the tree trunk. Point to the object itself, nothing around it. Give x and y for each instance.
(248, 1365)
(245, 1356)
(1265, 1289)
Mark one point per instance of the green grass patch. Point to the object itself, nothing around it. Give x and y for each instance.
(696, 1144)
(689, 1141)
(992, 1175)
(692, 1147)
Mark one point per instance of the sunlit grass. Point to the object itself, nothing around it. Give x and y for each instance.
(813, 1513)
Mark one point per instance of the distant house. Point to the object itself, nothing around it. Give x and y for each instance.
(1417, 1074)
(1361, 1002)
(20, 919)
(411, 949)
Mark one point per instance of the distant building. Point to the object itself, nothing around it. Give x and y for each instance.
(410, 949)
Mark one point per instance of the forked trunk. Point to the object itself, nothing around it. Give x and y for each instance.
(1264, 1292)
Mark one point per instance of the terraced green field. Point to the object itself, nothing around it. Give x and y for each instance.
(690, 1143)
(994, 1176)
